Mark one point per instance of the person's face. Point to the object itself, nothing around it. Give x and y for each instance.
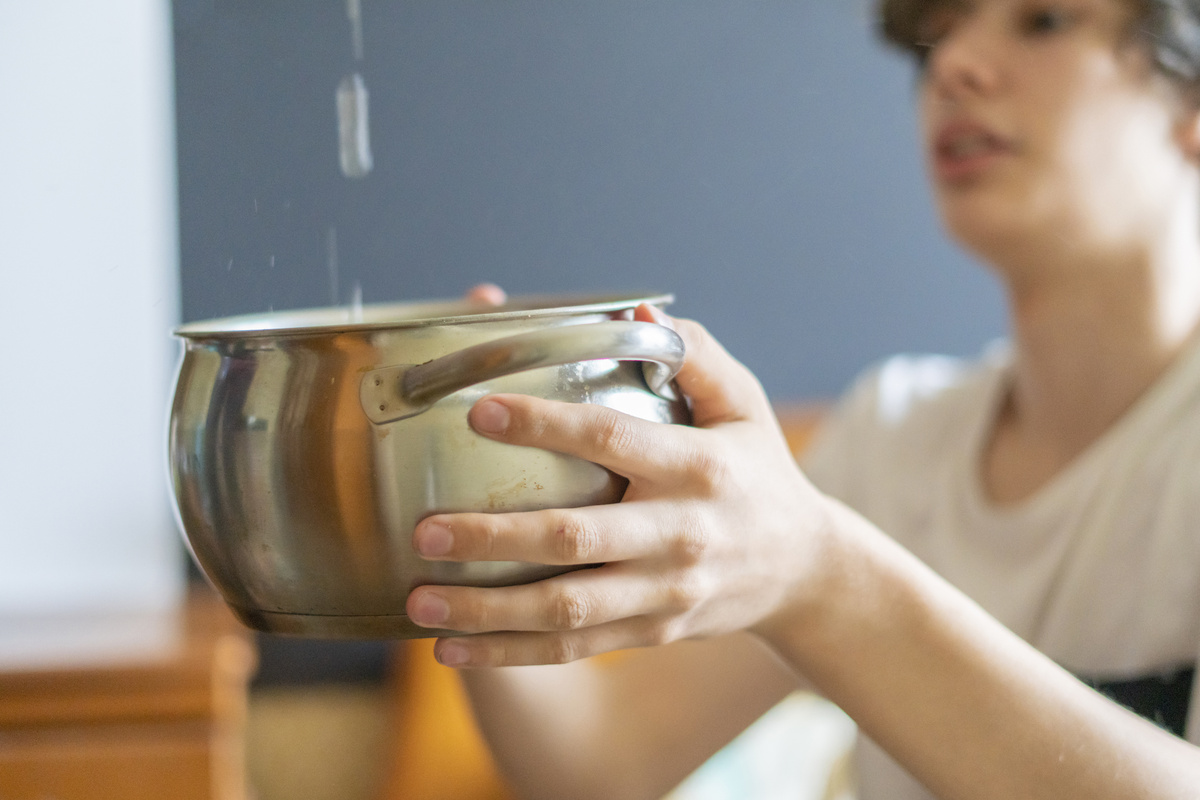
(1041, 117)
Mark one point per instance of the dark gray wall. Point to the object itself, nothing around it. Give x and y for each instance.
(756, 157)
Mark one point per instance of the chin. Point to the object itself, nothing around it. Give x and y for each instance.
(989, 223)
(980, 227)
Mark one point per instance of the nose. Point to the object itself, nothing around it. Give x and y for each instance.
(963, 63)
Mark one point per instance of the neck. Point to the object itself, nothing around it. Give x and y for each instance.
(1092, 333)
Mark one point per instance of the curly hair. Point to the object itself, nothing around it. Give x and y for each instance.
(1168, 29)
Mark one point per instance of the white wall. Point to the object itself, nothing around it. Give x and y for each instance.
(88, 258)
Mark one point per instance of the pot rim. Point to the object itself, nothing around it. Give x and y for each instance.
(422, 314)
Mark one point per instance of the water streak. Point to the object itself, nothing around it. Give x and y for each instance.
(354, 13)
(354, 137)
(331, 260)
(356, 303)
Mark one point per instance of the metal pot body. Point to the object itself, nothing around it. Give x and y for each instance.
(298, 484)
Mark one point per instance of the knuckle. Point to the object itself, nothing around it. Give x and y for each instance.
(473, 614)
(692, 331)
(571, 610)
(662, 631)
(575, 540)
(685, 593)
(561, 650)
(701, 344)
(487, 537)
(535, 424)
(614, 434)
(491, 654)
(746, 375)
(693, 540)
(709, 470)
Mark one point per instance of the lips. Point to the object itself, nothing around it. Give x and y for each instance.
(964, 149)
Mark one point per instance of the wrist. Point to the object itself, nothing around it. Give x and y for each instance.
(825, 568)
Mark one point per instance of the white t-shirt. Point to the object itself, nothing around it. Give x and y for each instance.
(1099, 569)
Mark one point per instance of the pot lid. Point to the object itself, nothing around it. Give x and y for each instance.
(377, 316)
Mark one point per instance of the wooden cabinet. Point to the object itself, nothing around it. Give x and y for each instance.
(123, 707)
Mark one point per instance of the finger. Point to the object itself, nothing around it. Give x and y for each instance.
(527, 649)
(627, 445)
(574, 601)
(720, 387)
(487, 294)
(571, 536)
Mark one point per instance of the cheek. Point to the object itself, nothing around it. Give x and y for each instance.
(1070, 105)
(1124, 155)
(1107, 146)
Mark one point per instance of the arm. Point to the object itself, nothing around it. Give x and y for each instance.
(965, 705)
(633, 728)
(719, 532)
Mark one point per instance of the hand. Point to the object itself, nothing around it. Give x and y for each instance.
(714, 534)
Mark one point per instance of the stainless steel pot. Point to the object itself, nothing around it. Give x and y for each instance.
(305, 446)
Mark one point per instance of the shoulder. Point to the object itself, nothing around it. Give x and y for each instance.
(918, 394)
(906, 410)
(904, 388)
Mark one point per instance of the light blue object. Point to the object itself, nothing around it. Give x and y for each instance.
(790, 753)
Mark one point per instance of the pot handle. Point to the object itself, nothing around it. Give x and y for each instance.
(394, 393)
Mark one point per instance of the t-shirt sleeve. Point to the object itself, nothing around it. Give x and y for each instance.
(829, 460)
(890, 409)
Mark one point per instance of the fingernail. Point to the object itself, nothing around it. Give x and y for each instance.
(430, 609)
(488, 416)
(453, 654)
(434, 539)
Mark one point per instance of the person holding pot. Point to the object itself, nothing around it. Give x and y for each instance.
(968, 546)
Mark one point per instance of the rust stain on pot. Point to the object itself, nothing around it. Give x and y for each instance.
(500, 497)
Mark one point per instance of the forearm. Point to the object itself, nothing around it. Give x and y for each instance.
(542, 725)
(966, 706)
(630, 727)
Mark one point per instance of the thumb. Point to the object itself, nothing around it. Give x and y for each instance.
(720, 388)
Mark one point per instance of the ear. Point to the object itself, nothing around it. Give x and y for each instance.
(1187, 131)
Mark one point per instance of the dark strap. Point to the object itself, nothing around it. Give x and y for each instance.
(1162, 698)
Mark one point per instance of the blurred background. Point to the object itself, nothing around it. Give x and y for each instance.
(166, 162)
(758, 158)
